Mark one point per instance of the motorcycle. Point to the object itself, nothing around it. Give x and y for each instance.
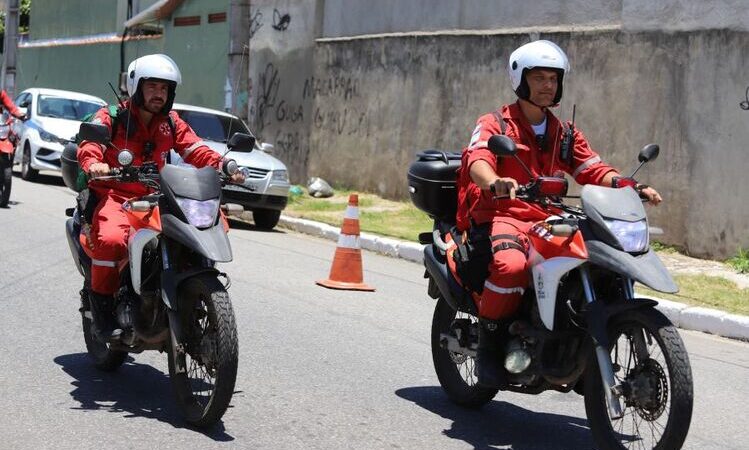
(7, 148)
(172, 297)
(581, 326)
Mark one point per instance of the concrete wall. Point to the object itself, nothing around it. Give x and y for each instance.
(282, 41)
(397, 95)
(363, 17)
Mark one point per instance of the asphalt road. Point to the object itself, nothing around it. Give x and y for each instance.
(318, 368)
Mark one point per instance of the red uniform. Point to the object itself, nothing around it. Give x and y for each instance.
(511, 219)
(6, 146)
(110, 226)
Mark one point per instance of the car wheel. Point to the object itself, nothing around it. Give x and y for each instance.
(27, 172)
(266, 218)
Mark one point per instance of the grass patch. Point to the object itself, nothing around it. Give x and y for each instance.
(396, 219)
(664, 248)
(740, 262)
(710, 292)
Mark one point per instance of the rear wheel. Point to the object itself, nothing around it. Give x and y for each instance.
(27, 172)
(6, 178)
(266, 218)
(103, 357)
(209, 353)
(455, 370)
(652, 366)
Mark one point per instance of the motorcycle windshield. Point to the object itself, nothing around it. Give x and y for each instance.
(189, 182)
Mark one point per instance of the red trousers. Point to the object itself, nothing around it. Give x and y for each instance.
(508, 271)
(109, 232)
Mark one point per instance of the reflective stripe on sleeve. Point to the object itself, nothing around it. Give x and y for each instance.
(102, 263)
(480, 144)
(585, 165)
(500, 290)
(191, 148)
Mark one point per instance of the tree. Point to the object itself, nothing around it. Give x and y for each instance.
(24, 13)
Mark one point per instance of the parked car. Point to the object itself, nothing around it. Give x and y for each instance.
(54, 119)
(266, 190)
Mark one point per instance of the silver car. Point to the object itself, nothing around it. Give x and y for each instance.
(266, 190)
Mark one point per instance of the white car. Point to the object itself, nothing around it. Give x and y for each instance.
(266, 190)
(54, 118)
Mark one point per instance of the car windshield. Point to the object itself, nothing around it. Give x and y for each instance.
(65, 108)
(213, 127)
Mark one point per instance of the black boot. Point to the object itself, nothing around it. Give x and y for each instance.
(489, 368)
(102, 311)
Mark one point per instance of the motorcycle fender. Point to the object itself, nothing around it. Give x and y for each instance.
(546, 276)
(441, 278)
(135, 245)
(79, 256)
(598, 314)
(171, 280)
(213, 243)
(646, 268)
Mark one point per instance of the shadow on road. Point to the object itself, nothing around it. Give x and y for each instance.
(500, 424)
(240, 224)
(137, 390)
(44, 178)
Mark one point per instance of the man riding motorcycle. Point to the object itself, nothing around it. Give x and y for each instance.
(147, 127)
(496, 229)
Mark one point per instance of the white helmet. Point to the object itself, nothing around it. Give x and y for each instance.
(537, 54)
(157, 66)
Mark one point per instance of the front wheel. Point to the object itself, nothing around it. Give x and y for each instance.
(455, 370)
(652, 367)
(6, 178)
(209, 352)
(266, 219)
(28, 173)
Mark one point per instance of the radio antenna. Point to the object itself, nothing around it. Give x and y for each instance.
(119, 100)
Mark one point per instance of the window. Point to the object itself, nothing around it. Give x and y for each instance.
(65, 108)
(213, 127)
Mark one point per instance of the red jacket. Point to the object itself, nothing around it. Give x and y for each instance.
(8, 104)
(185, 142)
(478, 205)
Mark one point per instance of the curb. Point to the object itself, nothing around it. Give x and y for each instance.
(687, 317)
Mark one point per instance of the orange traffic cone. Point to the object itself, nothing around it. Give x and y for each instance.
(346, 272)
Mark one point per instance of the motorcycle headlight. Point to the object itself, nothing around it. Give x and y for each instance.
(199, 213)
(632, 236)
(280, 175)
(47, 136)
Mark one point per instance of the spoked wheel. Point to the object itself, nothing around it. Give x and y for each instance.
(104, 358)
(6, 178)
(652, 366)
(209, 355)
(28, 173)
(455, 371)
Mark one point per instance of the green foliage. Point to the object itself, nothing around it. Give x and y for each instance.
(740, 262)
(24, 13)
(707, 291)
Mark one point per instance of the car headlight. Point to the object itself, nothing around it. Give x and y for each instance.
(47, 136)
(199, 213)
(280, 175)
(632, 236)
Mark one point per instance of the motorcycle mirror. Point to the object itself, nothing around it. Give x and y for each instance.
(501, 145)
(125, 158)
(94, 132)
(649, 153)
(241, 142)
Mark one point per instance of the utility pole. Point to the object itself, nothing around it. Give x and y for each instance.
(9, 48)
(237, 83)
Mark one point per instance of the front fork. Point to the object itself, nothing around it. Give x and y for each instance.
(597, 329)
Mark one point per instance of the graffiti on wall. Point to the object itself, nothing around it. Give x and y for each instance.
(280, 21)
(256, 22)
(745, 104)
